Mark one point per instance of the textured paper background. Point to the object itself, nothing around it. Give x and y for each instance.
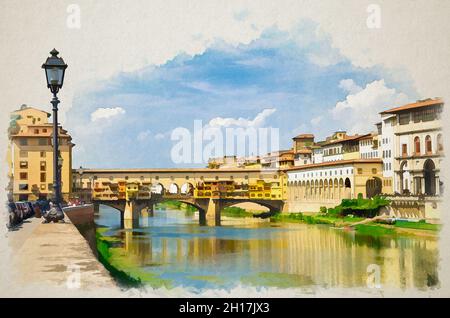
(121, 36)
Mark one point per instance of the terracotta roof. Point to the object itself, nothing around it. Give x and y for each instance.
(167, 170)
(303, 136)
(334, 163)
(26, 107)
(304, 151)
(346, 138)
(418, 104)
(368, 136)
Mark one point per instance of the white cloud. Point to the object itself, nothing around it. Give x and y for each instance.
(160, 136)
(360, 110)
(258, 121)
(106, 113)
(350, 86)
(325, 59)
(316, 120)
(144, 135)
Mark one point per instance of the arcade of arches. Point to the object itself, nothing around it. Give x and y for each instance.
(313, 186)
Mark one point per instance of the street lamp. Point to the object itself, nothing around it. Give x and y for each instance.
(55, 68)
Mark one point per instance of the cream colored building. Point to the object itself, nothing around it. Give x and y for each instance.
(326, 184)
(30, 156)
(417, 147)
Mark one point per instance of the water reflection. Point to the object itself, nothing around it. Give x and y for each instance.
(173, 246)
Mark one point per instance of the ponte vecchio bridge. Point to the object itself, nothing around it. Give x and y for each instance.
(134, 191)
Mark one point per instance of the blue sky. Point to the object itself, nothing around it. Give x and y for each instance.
(126, 121)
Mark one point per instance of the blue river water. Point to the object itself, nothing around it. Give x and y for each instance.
(171, 247)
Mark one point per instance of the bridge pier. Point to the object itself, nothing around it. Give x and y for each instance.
(214, 211)
(129, 224)
(132, 210)
(202, 217)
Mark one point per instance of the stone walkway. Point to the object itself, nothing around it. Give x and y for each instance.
(55, 255)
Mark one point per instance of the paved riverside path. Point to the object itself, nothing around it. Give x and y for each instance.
(52, 255)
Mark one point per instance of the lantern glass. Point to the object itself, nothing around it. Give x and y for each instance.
(54, 76)
(54, 68)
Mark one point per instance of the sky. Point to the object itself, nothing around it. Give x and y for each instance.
(293, 80)
(138, 72)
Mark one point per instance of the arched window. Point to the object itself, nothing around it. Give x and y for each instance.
(428, 147)
(440, 143)
(417, 145)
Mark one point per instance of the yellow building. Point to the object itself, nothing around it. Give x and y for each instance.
(30, 156)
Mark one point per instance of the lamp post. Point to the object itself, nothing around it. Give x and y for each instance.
(55, 68)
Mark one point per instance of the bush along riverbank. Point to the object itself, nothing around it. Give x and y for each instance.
(176, 205)
(236, 212)
(361, 215)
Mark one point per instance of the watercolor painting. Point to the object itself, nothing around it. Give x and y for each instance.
(224, 149)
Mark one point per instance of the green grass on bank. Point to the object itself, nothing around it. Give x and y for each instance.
(236, 212)
(421, 225)
(315, 219)
(372, 228)
(176, 205)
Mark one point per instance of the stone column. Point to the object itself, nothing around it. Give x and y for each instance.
(131, 211)
(214, 209)
(436, 187)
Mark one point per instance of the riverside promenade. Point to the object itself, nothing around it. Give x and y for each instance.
(55, 256)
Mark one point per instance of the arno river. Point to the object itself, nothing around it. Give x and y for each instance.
(171, 249)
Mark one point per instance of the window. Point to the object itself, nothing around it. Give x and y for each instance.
(23, 176)
(23, 186)
(360, 170)
(428, 147)
(43, 165)
(24, 164)
(43, 186)
(23, 154)
(43, 141)
(404, 119)
(404, 150)
(44, 130)
(374, 170)
(36, 131)
(42, 154)
(43, 177)
(426, 115)
(440, 143)
(23, 141)
(417, 145)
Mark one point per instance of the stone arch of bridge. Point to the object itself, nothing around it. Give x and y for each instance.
(273, 206)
